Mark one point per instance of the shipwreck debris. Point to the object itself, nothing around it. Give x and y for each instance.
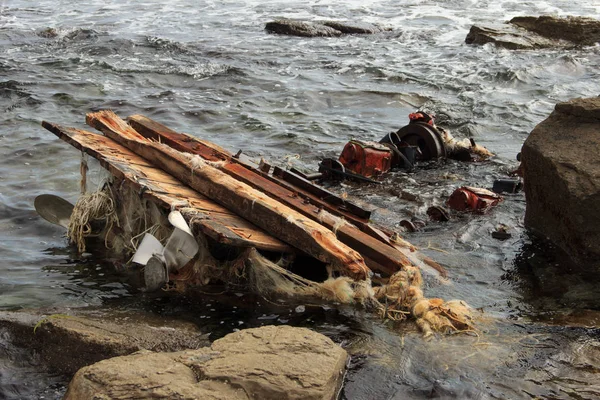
(507, 185)
(258, 215)
(502, 232)
(468, 198)
(419, 141)
(54, 209)
(437, 213)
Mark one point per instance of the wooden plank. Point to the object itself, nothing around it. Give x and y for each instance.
(271, 215)
(156, 185)
(358, 234)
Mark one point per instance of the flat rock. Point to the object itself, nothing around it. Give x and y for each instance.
(319, 28)
(67, 343)
(577, 30)
(561, 170)
(509, 37)
(538, 32)
(272, 362)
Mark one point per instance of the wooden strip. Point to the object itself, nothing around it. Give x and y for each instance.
(220, 223)
(271, 215)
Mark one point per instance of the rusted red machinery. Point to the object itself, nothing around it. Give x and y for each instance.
(369, 159)
(468, 198)
(420, 140)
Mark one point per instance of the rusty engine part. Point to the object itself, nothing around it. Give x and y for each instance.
(368, 159)
(426, 138)
(468, 198)
(420, 140)
(420, 134)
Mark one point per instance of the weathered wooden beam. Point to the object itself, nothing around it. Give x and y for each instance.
(161, 188)
(269, 214)
(356, 232)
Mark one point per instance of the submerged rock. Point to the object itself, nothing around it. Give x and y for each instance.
(319, 29)
(538, 32)
(66, 343)
(300, 28)
(272, 362)
(561, 171)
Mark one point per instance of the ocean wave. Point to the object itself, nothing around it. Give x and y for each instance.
(67, 35)
(17, 96)
(165, 44)
(198, 71)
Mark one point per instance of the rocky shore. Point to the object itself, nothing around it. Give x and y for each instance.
(133, 356)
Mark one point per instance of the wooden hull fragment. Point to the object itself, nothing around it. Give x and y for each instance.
(253, 205)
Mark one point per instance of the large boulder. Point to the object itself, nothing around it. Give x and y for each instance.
(561, 169)
(538, 32)
(272, 362)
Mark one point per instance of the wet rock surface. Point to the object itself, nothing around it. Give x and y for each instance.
(319, 28)
(66, 343)
(509, 37)
(272, 362)
(538, 32)
(578, 30)
(562, 179)
(353, 27)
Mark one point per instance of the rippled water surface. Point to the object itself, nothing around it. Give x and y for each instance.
(208, 68)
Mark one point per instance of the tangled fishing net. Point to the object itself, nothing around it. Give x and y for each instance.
(126, 216)
(90, 207)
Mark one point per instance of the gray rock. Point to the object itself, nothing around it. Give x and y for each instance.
(538, 32)
(272, 362)
(577, 30)
(320, 28)
(66, 343)
(509, 37)
(353, 27)
(561, 170)
(300, 28)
